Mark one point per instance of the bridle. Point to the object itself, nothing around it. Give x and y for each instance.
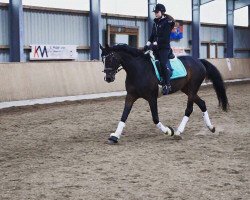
(110, 70)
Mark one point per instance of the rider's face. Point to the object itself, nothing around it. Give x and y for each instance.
(158, 14)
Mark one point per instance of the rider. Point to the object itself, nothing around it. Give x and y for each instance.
(160, 38)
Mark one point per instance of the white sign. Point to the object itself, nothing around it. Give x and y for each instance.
(53, 52)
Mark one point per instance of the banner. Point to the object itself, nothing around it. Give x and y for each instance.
(53, 52)
(177, 32)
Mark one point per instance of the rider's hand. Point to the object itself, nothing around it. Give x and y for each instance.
(155, 46)
(146, 47)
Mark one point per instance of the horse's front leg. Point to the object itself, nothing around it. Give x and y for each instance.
(154, 111)
(129, 101)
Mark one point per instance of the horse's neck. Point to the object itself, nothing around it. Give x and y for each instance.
(132, 65)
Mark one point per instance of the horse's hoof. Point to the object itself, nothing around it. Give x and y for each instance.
(177, 137)
(172, 131)
(113, 140)
(212, 130)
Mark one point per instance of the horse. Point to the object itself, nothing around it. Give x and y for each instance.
(141, 82)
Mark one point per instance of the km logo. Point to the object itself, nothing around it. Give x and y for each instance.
(40, 51)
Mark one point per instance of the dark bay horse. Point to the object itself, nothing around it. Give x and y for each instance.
(141, 82)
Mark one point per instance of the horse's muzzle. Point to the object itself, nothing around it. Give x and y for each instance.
(109, 78)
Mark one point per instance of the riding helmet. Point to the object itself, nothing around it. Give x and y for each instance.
(159, 7)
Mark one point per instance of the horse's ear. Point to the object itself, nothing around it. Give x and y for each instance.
(101, 47)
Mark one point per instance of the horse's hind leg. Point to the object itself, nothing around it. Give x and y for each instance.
(129, 101)
(154, 111)
(202, 106)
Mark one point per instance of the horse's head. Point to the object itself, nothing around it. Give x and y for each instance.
(112, 61)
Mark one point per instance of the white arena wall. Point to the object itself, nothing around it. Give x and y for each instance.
(26, 81)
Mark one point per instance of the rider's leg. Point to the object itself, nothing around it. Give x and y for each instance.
(163, 62)
(171, 54)
(170, 68)
(163, 57)
(129, 101)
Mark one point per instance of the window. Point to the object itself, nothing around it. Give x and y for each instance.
(123, 34)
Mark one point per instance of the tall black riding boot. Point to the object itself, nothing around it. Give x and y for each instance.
(166, 88)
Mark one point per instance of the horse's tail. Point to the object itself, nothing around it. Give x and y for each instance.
(214, 75)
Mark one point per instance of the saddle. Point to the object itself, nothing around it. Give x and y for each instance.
(177, 68)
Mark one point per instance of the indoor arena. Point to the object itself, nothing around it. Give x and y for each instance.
(84, 113)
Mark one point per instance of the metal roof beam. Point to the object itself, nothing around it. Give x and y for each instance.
(241, 3)
(205, 1)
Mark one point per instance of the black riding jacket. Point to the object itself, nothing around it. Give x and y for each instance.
(161, 31)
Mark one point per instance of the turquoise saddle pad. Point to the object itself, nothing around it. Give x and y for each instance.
(179, 70)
